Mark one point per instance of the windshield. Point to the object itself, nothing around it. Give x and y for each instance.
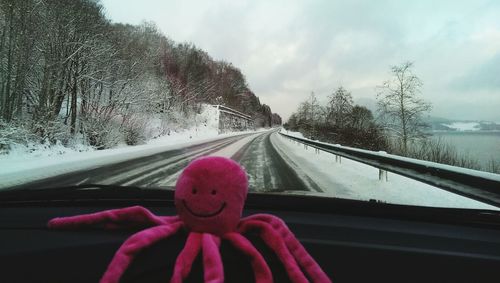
(395, 102)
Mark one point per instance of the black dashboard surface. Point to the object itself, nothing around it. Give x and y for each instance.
(352, 242)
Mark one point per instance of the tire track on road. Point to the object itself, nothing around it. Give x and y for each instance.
(98, 175)
(266, 169)
(168, 168)
(299, 173)
(226, 151)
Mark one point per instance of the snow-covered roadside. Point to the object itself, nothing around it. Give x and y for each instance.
(22, 169)
(293, 134)
(154, 131)
(354, 180)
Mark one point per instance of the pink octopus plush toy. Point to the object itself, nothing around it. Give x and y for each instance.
(209, 198)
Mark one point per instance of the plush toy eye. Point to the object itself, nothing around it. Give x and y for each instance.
(214, 192)
(194, 191)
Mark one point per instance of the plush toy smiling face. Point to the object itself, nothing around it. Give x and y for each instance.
(210, 194)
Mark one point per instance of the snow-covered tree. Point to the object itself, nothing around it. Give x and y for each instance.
(66, 71)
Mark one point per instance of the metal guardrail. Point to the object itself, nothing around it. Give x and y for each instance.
(233, 111)
(478, 185)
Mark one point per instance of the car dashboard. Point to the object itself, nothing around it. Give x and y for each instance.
(352, 241)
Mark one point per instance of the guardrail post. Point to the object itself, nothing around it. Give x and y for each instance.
(382, 174)
(338, 159)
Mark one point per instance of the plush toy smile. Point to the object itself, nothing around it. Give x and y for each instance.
(198, 214)
(209, 198)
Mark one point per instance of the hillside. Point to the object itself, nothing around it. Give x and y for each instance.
(69, 76)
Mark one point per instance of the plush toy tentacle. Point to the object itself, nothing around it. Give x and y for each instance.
(186, 258)
(305, 260)
(133, 245)
(261, 270)
(129, 217)
(212, 261)
(276, 243)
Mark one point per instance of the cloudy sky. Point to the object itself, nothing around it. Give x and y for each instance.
(287, 49)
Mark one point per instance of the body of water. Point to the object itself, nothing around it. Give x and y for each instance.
(482, 146)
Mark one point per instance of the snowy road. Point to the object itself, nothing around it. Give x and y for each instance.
(272, 163)
(267, 170)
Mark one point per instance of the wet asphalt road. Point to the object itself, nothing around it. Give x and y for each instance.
(266, 168)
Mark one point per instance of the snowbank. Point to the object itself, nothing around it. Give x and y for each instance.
(474, 172)
(353, 180)
(293, 134)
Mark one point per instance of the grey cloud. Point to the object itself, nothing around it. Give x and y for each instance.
(287, 49)
(482, 77)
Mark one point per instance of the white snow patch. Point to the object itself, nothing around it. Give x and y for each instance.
(293, 134)
(353, 180)
(33, 151)
(464, 126)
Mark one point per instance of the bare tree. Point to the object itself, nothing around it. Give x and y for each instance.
(360, 117)
(308, 116)
(347, 124)
(400, 106)
(339, 107)
(315, 113)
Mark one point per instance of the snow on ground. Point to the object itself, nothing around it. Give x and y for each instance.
(17, 169)
(464, 126)
(205, 125)
(293, 134)
(479, 173)
(353, 180)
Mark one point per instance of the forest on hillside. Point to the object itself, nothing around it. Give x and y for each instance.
(67, 72)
